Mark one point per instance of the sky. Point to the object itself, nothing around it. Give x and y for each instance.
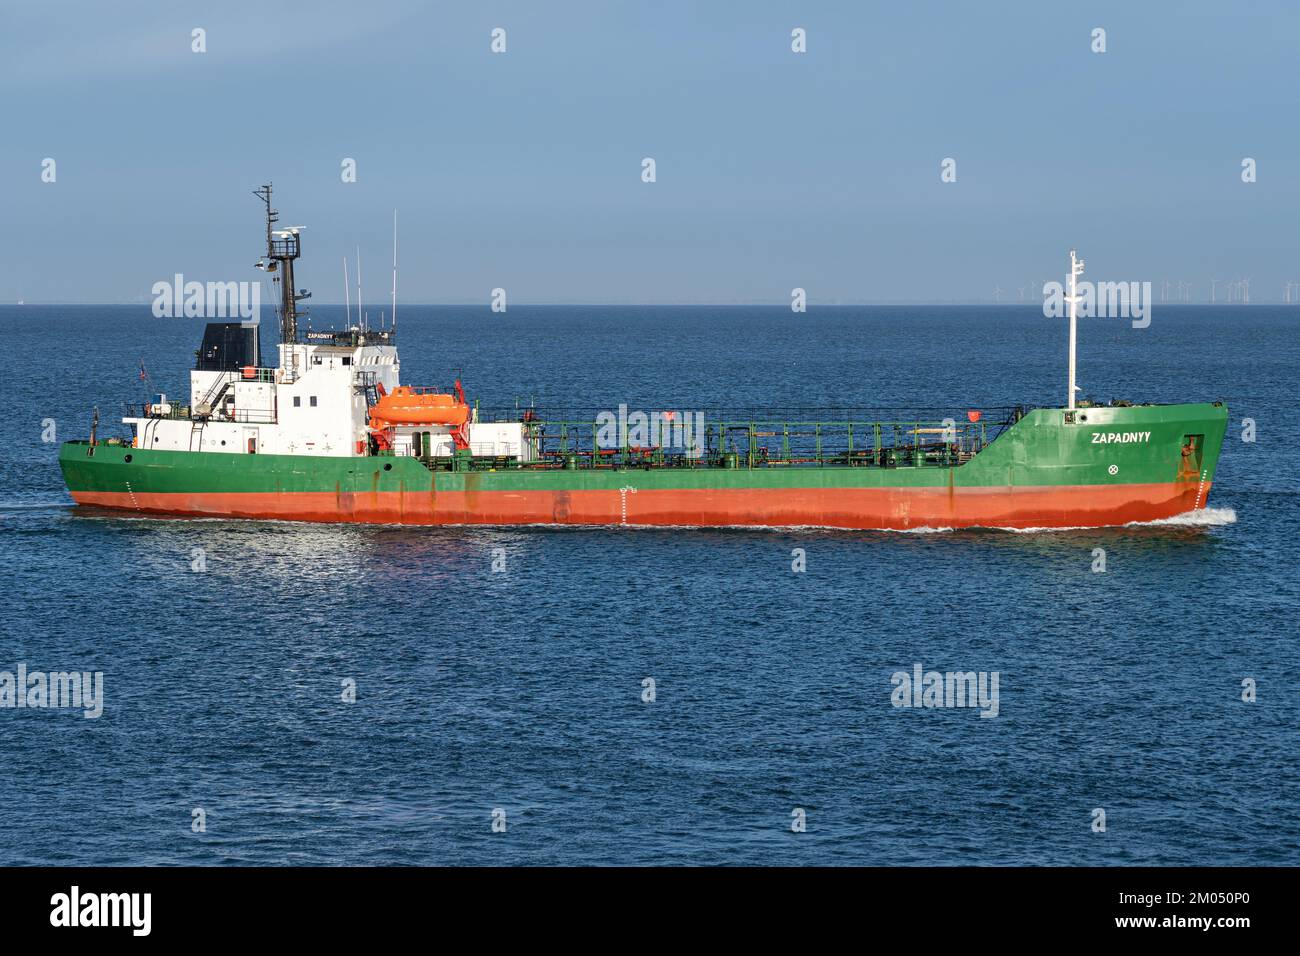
(774, 170)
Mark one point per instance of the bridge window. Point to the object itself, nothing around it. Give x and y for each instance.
(313, 401)
(297, 401)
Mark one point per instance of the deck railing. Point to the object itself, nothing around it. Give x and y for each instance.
(700, 441)
(753, 444)
(174, 411)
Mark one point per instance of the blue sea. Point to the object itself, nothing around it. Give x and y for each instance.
(518, 696)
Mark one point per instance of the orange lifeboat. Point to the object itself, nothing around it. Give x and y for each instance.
(406, 405)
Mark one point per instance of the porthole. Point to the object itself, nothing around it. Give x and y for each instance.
(223, 441)
(127, 459)
(388, 466)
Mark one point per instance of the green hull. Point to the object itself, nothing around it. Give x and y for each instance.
(1039, 469)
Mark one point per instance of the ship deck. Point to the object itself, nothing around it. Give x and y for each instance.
(789, 438)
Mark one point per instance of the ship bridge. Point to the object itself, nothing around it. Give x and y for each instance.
(316, 402)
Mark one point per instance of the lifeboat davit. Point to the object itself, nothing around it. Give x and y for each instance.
(406, 405)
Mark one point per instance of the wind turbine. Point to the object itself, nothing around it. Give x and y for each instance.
(997, 294)
(1022, 289)
(1245, 283)
(1164, 291)
(1213, 285)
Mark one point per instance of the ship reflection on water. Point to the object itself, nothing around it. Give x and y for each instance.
(303, 556)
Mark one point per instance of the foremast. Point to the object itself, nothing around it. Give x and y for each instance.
(1076, 270)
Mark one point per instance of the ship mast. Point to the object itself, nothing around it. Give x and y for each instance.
(1076, 270)
(283, 246)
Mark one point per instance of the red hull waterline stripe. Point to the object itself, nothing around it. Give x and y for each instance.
(855, 508)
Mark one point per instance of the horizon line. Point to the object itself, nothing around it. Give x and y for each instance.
(680, 305)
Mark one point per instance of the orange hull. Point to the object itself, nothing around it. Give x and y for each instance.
(857, 508)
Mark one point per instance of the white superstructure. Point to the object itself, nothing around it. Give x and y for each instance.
(334, 393)
(317, 402)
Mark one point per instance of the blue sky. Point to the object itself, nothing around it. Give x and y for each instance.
(775, 170)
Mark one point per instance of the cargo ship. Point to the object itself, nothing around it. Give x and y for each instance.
(329, 434)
